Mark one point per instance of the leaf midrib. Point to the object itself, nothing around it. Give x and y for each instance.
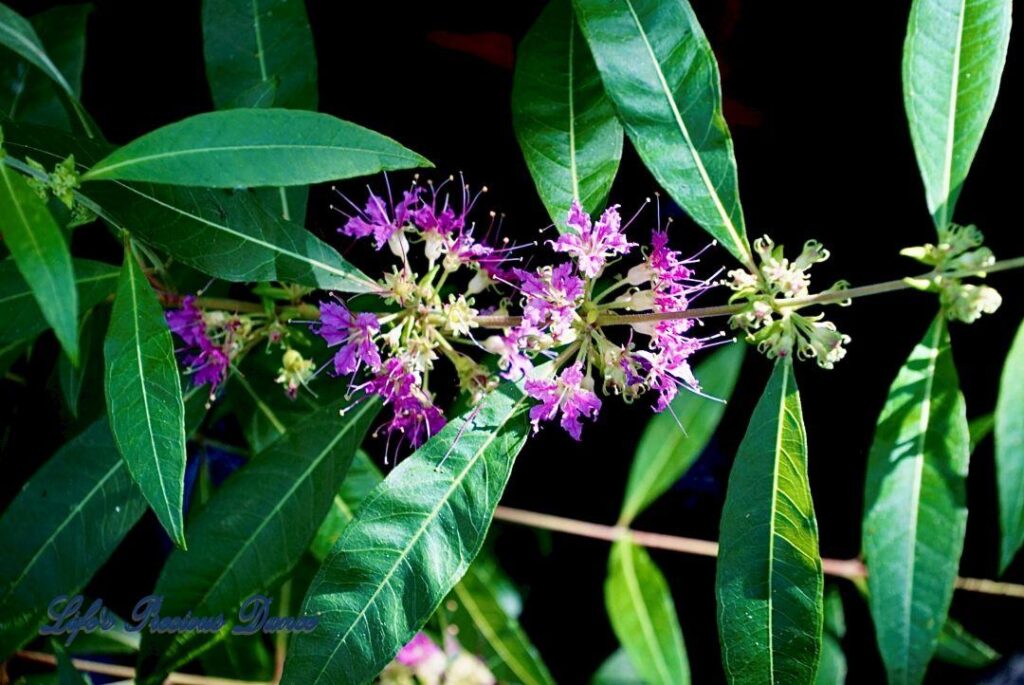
(775, 504)
(573, 172)
(954, 88)
(694, 153)
(101, 171)
(129, 263)
(470, 463)
(646, 624)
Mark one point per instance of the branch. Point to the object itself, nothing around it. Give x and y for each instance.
(851, 569)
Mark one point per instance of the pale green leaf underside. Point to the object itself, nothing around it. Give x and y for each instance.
(915, 510)
(144, 403)
(41, 255)
(566, 125)
(659, 70)
(410, 543)
(62, 526)
(665, 451)
(769, 579)
(255, 529)
(240, 148)
(952, 63)
(957, 646)
(1010, 451)
(643, 615)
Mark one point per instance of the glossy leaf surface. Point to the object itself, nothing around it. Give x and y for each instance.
(1009, 428)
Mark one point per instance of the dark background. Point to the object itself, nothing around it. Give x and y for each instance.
(815, 105)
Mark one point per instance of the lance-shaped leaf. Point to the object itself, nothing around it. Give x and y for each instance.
(254, 147)
(20, 316)
(832, 669)
(67, 674)
(1010, 451)
(566, 125)
(147, 414)
(769, 579)
(254, 530)
(410, 543)
(667, 451)
(258, 45)
(72, 378)
(41, 254)
(952, 62)
(487, 630)
(915, 511)
(227, 235)
(957, 646)
(17, 34)
(62, 526)
(485, 627)
(658, 69)
(31, 96)
(640, 607)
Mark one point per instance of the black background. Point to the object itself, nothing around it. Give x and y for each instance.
(814, 100)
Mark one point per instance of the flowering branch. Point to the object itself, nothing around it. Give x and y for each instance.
(850, 569)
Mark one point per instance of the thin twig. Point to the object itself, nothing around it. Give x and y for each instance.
(851, 569)
(129, 672)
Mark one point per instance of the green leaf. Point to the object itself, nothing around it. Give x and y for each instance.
(67, 674)
(62, 526)
(17, 34)
(20, 316)
(658, 69)
(915, 511)
(979, 428)
(487, 630)
(252, 46)
(952, 62)
(410, 543)
(832, 668)
(1009, 424)
(957, 646)
(30, 96)
(254, 147)
(116, 640)
(566, 125)
(640, 607)
(254, 530)
(41, 254)
(144, 403)
(227, 235)
(617, 670)
(665, 451)
(72, 378)
(769, 580)
(241, 657)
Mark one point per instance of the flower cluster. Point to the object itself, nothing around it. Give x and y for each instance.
(770, 299)
(422, 662)
(212, 339)
(425, 317)
(958, 253)
(563, 317)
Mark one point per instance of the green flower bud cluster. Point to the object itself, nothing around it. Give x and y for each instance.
(959, 250)
(62, 183)
(771, 298)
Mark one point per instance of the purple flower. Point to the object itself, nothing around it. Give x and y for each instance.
(416, 420)
(378, 219)
(668, 365)
(593, 245)
(566, 394)
(551, 296)
(206, 361)
(418, 651)
(354, 332)
(187, 322)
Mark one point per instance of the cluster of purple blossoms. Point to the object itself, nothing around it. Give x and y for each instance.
(563, 318)
(424, 321)
(429, 664)
(212, 340)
